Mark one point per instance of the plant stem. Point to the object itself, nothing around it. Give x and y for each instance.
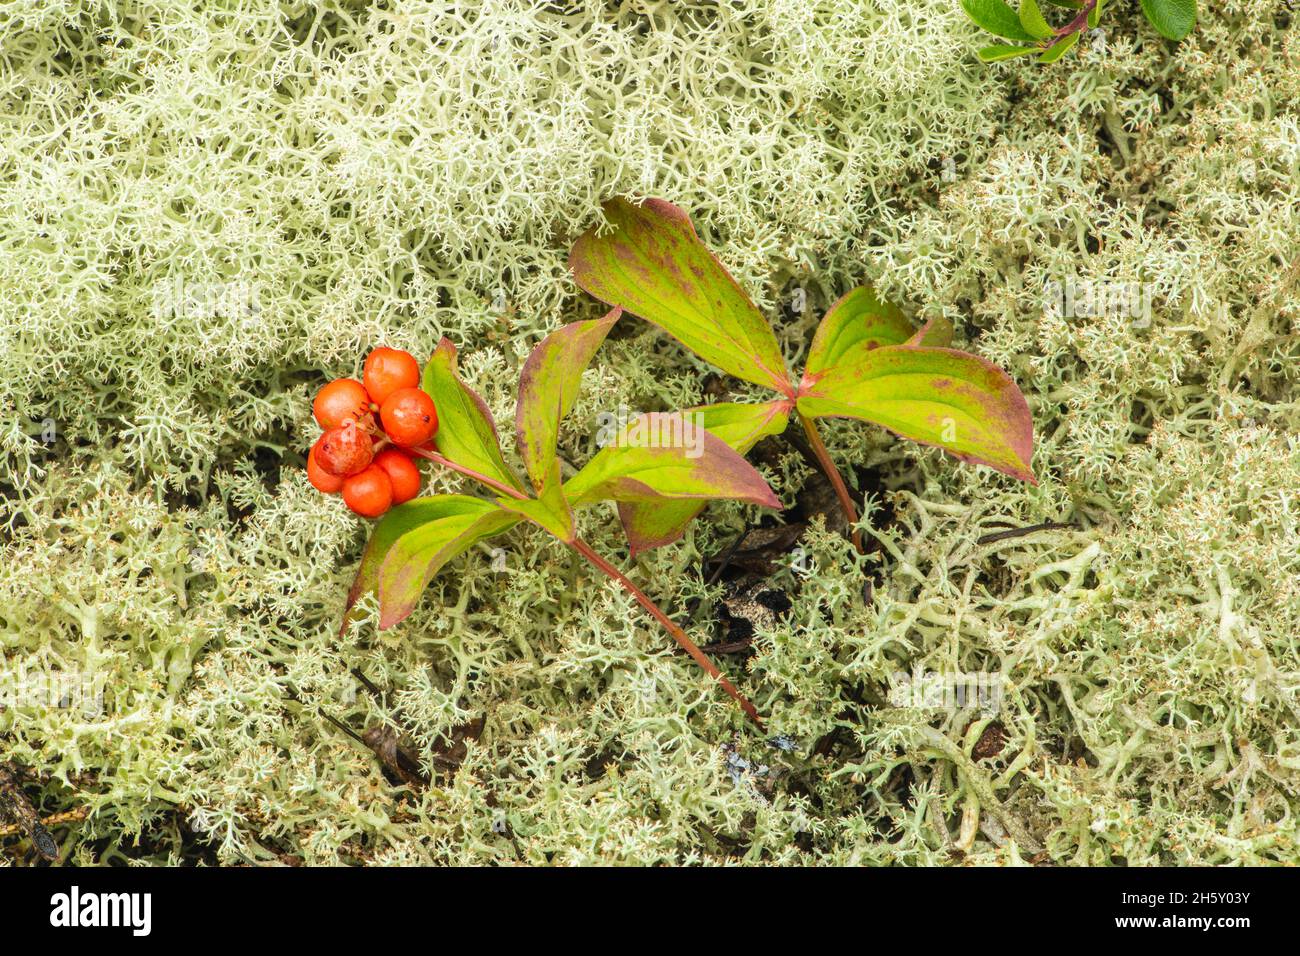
(677, 633)
(586, 551)
(836, 480)
(1078, 25)
(482, 479)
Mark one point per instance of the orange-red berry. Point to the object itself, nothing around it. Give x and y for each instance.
(409, 417)
(339, 401)
(369, 493)
(321, 479)
(402, 472)
(387, 370)
(344, 450)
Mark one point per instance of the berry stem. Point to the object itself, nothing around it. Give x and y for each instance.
(492, 483)
(584, 549)
(836, 480)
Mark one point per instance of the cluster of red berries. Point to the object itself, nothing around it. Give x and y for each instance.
(369, 427)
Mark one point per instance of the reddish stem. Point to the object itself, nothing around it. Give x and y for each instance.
(1078, 25)
(677, 633)
(836, 480)
(492, 483)
(586, 551)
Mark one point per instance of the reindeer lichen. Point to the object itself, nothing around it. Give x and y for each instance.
(206, 210)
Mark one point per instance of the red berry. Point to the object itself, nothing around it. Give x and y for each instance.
(339, 401)
(369, 493)
(387, 370)
(321, 479)
(344, 450)
(401, 472)
(409, 417)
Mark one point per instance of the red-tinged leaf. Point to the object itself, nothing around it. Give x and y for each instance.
(857, 323)
(663, 466)
(449, 525)
(654, 265)
(550, 510)
(548, 387)
(396, 523)
(652, 524)
(943, 397)
(655, 522)
(466, 433)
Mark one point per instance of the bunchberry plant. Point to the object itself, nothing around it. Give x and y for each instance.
(416, 539)
(866, 361)
(1034, 34)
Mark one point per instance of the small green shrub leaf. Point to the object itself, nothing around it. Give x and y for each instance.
(1094, 15)
(1059, 48)
(548, 387)
(414, 540)
(1173, 19)
(654, 265)
(998, 18)
(991, 54)
(1031, 18)
(652, 524)
(857, 322)
(466, 433)
(943, 397)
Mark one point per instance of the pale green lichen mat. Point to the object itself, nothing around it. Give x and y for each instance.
(207, 213)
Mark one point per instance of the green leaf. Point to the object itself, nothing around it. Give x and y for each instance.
(548, 387)
(655, 266)
(936, 333)
(466, 433)
(661, 456)
(998, 18)
(651, 524)
(1173, 19)
(857, 322)
(1031, 18)
(656, 522)
(741, 424)
(991, 54)
(550, 511)
(387, 530)
(1068, 4)
(668, 455)
(398, 554)
(942, 397)
(1059, 49)
(1094, 15)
